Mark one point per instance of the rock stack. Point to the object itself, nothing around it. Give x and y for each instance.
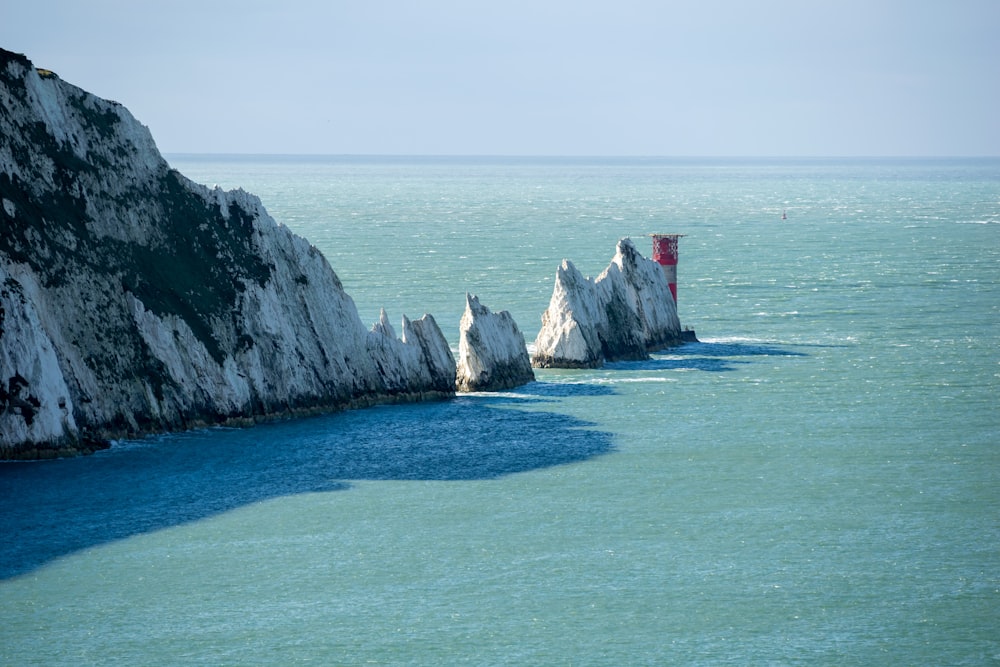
(492, 355)
(623, 314)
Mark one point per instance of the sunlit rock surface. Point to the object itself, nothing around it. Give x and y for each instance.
(623, 314)
(133, 300)
(492, 355)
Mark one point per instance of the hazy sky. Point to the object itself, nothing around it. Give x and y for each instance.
(534, 77)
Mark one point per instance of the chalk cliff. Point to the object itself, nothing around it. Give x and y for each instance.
(492, 355)
(623, 314)
(133, 300)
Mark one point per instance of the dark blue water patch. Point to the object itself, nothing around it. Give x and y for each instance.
(540, 391)
(692, 363)
(566, 389)
(55, 508)
(735, 349)
(709, 357)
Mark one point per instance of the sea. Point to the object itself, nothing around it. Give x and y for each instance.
(815, 482)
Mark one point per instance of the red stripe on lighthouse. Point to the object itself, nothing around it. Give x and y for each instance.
(665, 253)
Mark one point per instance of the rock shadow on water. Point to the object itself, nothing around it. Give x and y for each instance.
(541, 391)
(551, 390)
(55, 508)
(692, 363)
(707, 356)
(735, 349)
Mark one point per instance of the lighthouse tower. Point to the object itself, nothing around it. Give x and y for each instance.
(665, 252)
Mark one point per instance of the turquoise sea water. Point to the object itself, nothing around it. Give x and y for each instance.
(817, 482)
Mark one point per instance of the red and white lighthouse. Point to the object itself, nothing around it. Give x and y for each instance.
(665, 253)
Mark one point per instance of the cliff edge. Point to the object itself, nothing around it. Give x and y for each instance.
(133, 300)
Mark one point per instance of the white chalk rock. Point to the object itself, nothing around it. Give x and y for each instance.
(623, 314)
(134, 301)
(492, 355)
(35, 403)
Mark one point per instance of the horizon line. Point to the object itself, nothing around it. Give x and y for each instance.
(585, 156)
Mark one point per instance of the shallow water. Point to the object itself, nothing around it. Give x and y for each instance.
(814, 483)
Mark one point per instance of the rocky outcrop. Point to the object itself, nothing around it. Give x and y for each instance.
(420, 360)
(133, 300)
(625, 313)
(492, 355)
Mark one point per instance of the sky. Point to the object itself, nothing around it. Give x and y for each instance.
(534, 77)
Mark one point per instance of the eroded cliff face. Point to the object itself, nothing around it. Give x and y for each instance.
(492, 355)
(133, 300)
(623, 314)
